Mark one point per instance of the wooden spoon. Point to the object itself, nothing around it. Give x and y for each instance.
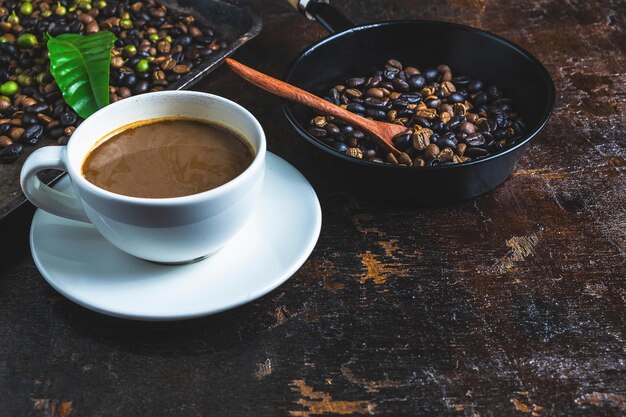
(382, 132)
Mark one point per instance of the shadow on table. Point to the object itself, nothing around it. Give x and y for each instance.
(218, 332)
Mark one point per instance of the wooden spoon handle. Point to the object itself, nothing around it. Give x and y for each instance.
(296, 94)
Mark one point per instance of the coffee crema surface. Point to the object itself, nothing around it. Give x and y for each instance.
(166, 158)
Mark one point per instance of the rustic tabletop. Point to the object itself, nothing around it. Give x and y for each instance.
(511, 304)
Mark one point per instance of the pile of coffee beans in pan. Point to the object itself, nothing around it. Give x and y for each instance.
(450, 119)
(155, 47)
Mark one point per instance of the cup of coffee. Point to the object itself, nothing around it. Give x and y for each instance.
(168, 177)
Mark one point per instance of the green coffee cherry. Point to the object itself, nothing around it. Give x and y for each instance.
(26, 8)
(25, 80)
(3, 39)
(60, 10)
(27, 40)
(168, 39)
(126, 24)
(101, 4)
(154, 37)
(9, 88)
(43, 77)
(130, 51)
(13, 19)
(46, 14)
(143, 65)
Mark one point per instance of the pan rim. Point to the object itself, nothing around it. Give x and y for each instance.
(545, 76)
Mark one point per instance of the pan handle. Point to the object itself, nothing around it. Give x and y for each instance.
(326, 15)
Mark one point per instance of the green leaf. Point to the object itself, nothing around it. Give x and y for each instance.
(81, 66)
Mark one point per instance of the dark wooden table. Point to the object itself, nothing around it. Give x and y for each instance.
(512, 304)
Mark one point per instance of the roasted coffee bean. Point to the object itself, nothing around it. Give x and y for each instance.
(405, 159)
(68, 118)
(421, 138)
(36, 108)
(11, 153)
(493, 92)
(127, 79)
(141, 87)
(340, 146)
(475, 86)
(353, 92)
(375, 92)
(519, 127)
(357, 134)
(390, 73)
(317, 132)
(376, 102)
(356, 108)
(402, 141)
(355, 82)
(446, 155)
(332, 129)
(395, 63)
(374, 81)
(433, 103)
(376, 114)
(32, 135)
(448, 140)
(345, 129)
(455, 122)
(417, 82)
(468, 128)
(487, 125)
(420, 121)
(412, 98)
(4, 128)
(57, 110)
(5, 141)
(16, 133)
(455, 98)
(56, 132)
(499, 134)
(400, 85)
(30, 119)
(475, 139)
(505, 104)
(431, 151)
(501, 119)
(430, 74)
(480, 99)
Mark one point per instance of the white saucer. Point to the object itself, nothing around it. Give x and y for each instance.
(85, 268)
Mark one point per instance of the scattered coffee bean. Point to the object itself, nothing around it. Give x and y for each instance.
(11, 153)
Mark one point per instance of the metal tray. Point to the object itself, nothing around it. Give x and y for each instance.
(234, 23)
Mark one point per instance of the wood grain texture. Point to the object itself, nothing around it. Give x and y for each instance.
(511, 304)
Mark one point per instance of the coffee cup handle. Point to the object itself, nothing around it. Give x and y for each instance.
(43, 196)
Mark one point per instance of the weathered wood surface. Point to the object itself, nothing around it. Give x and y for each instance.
(512, 304)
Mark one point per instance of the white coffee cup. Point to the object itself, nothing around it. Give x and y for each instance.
(168, 230)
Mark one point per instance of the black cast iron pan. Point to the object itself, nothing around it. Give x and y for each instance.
(359, 50)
